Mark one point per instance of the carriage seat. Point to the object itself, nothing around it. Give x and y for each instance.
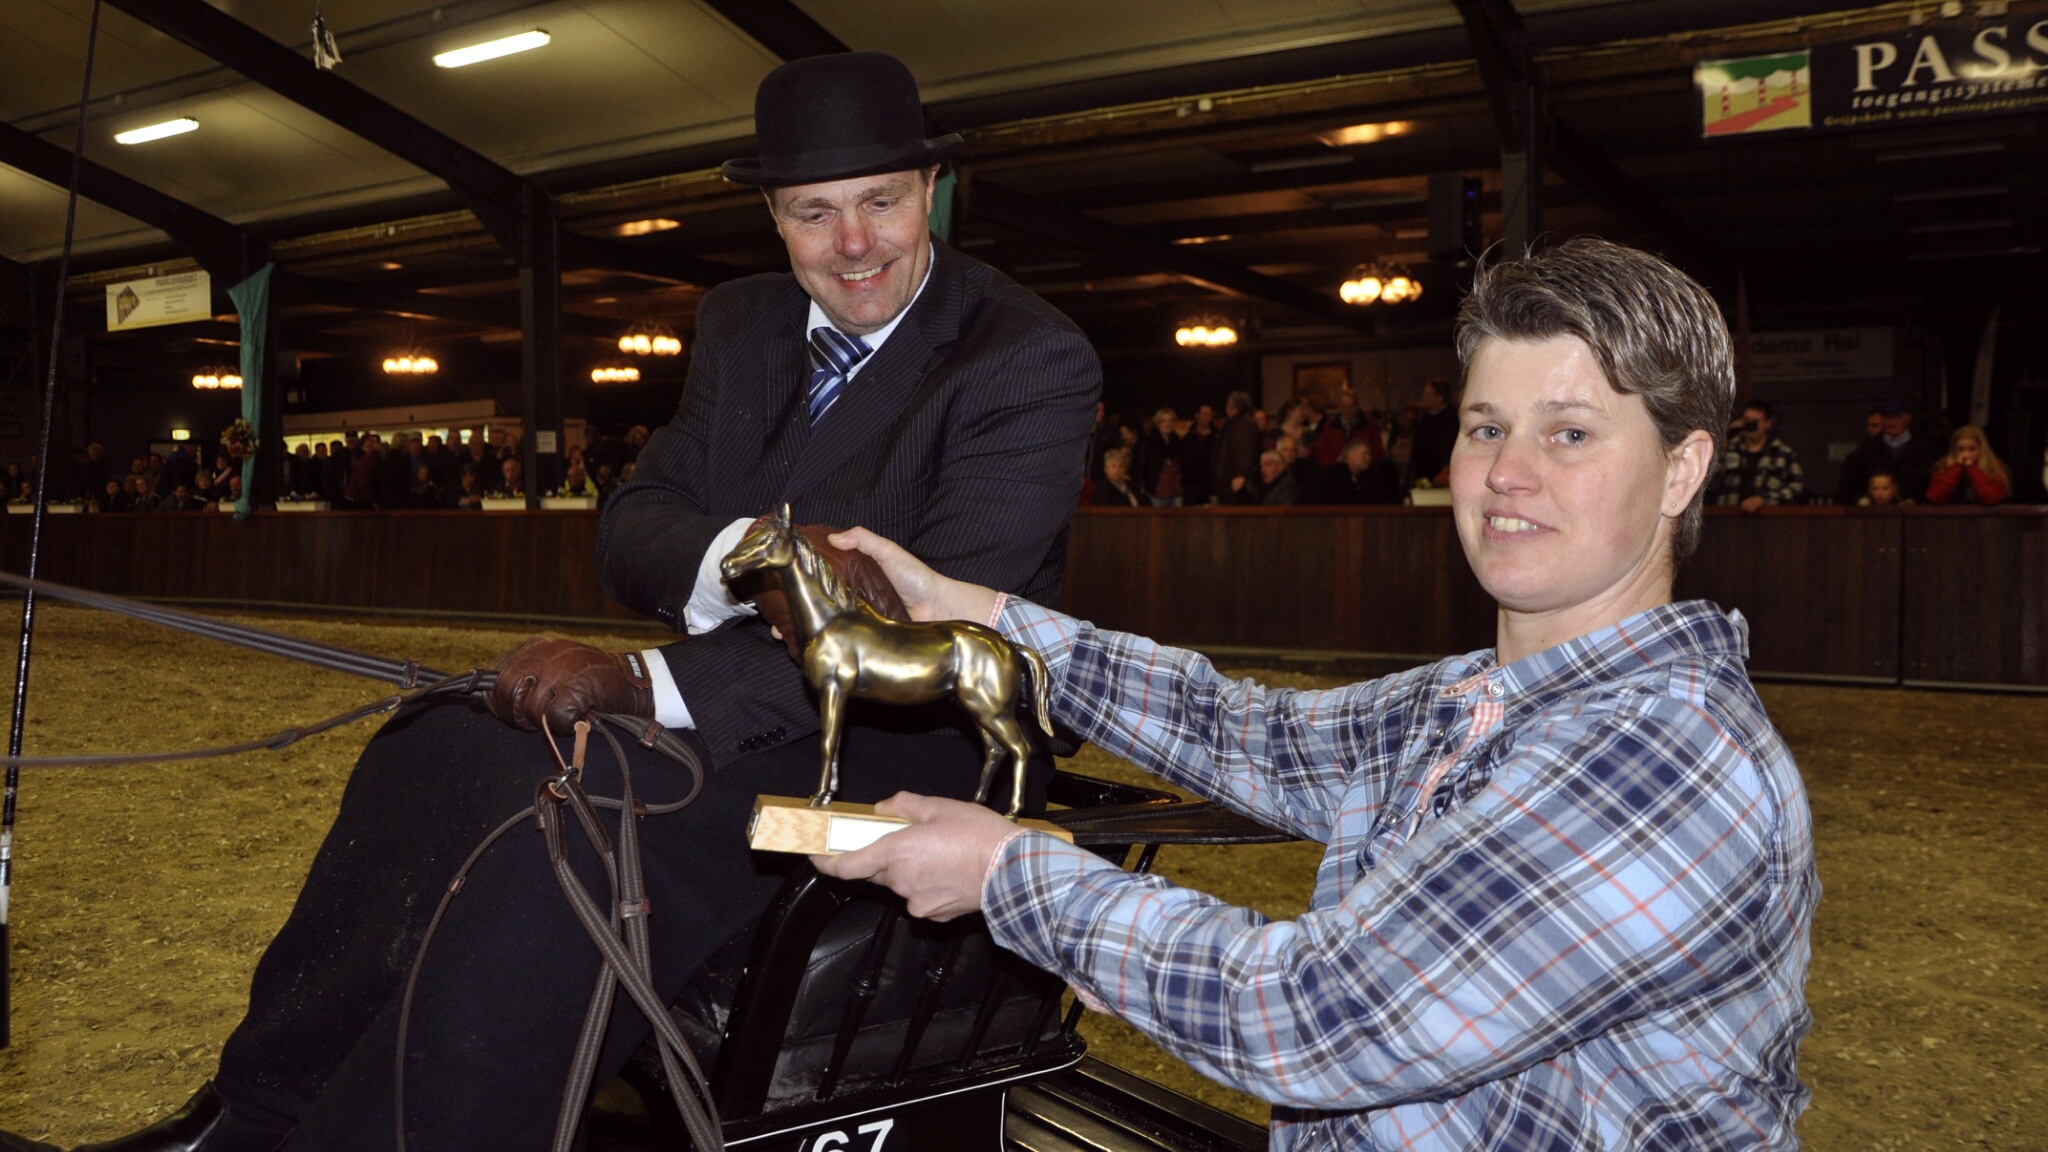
(840, 1004)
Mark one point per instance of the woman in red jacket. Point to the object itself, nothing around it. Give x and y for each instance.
(1971, 473)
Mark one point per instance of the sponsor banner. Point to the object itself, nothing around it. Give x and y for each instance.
(163, 300)
(1755, 94)
(1820, 354)
(1944, 69)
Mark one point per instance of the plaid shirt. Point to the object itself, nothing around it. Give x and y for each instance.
(1566, 903)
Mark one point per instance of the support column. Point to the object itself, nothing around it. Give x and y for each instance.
(1521, 173)
(540, 322)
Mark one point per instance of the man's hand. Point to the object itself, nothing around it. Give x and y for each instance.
(1752, 504)
(1237, 483)
(546, 681)
(857, 571)
(926, 594)
(937, 864)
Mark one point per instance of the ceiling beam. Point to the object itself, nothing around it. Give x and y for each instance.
(497, 194)
(779, 26)
(1021, 213)
(220, 247)
(665, 262)
(399, 302)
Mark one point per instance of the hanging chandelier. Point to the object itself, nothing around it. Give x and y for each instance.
(414, 363)
(610, 375)
(1380, 284)
(650, 340)
(1208, 332)
(209, 379)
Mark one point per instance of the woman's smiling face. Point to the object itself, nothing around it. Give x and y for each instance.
(1562, 489)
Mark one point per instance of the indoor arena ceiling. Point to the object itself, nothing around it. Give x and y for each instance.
(1139, 162)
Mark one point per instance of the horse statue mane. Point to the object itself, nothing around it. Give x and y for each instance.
(850, 650)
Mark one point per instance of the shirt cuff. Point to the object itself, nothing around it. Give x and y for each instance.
(710, 603)
(669, 709)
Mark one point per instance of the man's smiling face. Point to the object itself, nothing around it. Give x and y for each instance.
(860, 247)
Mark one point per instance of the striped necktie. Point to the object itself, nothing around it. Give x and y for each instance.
(834, 355)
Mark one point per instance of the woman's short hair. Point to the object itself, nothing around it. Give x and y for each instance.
(1655, 332)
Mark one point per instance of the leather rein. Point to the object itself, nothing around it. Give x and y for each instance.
(618, 927)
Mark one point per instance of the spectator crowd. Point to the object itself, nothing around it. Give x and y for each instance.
(1315, 453)
(409, 470)
(1341, 454)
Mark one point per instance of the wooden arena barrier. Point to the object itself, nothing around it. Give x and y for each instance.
(1954, 596)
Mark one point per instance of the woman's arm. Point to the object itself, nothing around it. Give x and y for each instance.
(1941, 487)
(1612, 869)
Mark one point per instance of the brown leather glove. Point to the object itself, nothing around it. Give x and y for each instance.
(561, 681)
(859, 572)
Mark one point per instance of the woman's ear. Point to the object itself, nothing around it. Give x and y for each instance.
(1691, 462)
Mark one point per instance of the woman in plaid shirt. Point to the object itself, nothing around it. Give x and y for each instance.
(1569, 884)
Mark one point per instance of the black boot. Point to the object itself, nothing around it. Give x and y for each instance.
(205, 1124)
(9, 1142)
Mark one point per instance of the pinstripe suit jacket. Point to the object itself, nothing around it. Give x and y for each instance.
(962, 440)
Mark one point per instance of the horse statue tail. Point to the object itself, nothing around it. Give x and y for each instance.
(1041, 684)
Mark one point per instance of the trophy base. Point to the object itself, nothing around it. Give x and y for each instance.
(791, 824)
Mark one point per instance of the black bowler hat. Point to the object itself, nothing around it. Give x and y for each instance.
(835, 117)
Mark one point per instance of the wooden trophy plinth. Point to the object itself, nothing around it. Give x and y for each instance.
(790, 824)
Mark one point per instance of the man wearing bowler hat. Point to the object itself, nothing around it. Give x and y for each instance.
(887, 381)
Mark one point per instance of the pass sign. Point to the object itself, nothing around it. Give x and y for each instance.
(159, 300)
(1939, 70)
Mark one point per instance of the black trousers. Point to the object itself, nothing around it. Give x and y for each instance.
(505, 986)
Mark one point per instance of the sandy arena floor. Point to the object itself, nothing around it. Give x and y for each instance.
(144, 895)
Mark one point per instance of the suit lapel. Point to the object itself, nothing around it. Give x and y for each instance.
(877, 397)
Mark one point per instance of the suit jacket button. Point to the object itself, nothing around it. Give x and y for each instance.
(778, 732)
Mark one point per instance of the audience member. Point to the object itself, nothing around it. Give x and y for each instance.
(142, 494)
(443, 463)
(1435, 431)
(1276, 484)
(576, 481)
(362, 481)
(1343, 427)
(179, 470)
(1237, 449)
(490, 469)
(1115, 489)
(1198, 459)
(1158, 460)
(181, 500)
(1911, 457)
(470, 494)
(335, 473)
(1758, 469)
(1881, 490)
(512, 477)
(1357, 478)
(1971, 473)
(424, 492)
(113, 497)
(1869, 458)
(1103, 437)
(92, 471)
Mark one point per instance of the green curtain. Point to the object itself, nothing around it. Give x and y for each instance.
(252, 304)
(942, 205)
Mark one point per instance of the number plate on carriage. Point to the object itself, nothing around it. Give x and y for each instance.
(961, 1123)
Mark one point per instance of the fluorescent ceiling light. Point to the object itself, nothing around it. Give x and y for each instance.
(492, 49)
(176, 127)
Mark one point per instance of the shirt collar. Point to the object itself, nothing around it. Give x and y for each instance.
(1901, 440)
(1646, 640)
(873, 340)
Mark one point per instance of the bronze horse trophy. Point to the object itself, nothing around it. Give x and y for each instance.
(850, 651)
